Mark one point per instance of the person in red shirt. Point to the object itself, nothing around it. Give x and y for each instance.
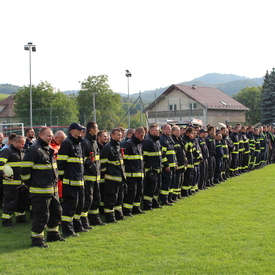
(55, 143)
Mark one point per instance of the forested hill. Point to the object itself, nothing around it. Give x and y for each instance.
(8, 89)
(229, 83)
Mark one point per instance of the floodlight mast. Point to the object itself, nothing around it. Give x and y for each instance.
(30, 47)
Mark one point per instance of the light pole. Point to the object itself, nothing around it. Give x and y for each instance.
(128, 74)
(30, 47)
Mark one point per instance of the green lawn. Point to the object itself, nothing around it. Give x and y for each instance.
(3, 96)
(228, 229)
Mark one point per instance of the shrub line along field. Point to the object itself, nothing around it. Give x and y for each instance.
(228, 229)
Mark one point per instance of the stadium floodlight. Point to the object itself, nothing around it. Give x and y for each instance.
(128, 74)
(30, 47)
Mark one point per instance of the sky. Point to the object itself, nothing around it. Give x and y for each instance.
(160, 42)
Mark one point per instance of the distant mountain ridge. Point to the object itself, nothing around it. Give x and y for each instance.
(8, 89)
(229, 83)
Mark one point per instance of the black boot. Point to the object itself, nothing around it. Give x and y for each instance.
(54, 236)
(21, 219)
(137, 210)
(184, 193)
(119, 215)
(78, 226)
(39, 242)
(156, 204)
(95, 219)
(110, 217)
(68, 229)
(85, 223)
(7, 223)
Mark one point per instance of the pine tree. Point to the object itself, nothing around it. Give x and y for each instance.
(268, 98)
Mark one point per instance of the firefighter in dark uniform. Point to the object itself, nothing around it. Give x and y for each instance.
(198, 159)
(210, 142)
(231, 148)
(188, 141)
(112, 167)
(102, 140)
(182, 162)
(39, 173)
(14, 195)
(134, 171)
(257, 148)
(267, 142)
(219, 157)
(152, 168)
(169, 162)
(262, 139)
(235, 153)
(204, 164)
(251, 138)
(70, 170)
(90, 212)
(225, 158)
(246, 151)
(241, 150)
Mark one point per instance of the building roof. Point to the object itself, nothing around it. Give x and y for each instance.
(210, 97)
(7, 107)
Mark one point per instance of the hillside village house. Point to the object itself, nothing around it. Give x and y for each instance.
(183, 102)
(7, 114)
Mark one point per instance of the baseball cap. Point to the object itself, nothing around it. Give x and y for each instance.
(77, 126)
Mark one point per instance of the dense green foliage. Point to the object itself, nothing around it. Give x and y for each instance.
(108, 104)
(251, 98)
(268, 98)
(50, 107)
(223, 230)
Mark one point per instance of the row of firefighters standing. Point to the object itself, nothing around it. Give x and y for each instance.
(157, 169)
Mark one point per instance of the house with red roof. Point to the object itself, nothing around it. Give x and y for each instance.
(184, 102)
(7, 114)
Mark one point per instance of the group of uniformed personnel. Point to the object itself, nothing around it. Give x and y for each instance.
(92, 175)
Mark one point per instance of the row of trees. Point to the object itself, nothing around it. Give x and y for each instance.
(260, 100)
(52, 107)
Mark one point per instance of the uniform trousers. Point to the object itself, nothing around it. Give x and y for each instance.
(113, 198)
(211, 169)
(92, 196)
(72, 205)
(151, 191)
(195, 178)
(203, 173)
(46, 212)
(15, 201)
(134, 194)
(168, 179)
(178, 184)
(187, 183)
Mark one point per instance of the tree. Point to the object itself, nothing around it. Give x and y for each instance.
(251, 98)
(107, 103)
(268, 99)
(50, 106)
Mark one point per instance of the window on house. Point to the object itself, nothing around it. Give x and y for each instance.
(194, 105)
(173, 107)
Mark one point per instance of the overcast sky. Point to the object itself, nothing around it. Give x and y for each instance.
(160, 42)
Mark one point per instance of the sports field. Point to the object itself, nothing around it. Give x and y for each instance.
(227, 229)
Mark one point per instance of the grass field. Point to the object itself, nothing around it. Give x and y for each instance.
(3, 96)
(228, 229)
